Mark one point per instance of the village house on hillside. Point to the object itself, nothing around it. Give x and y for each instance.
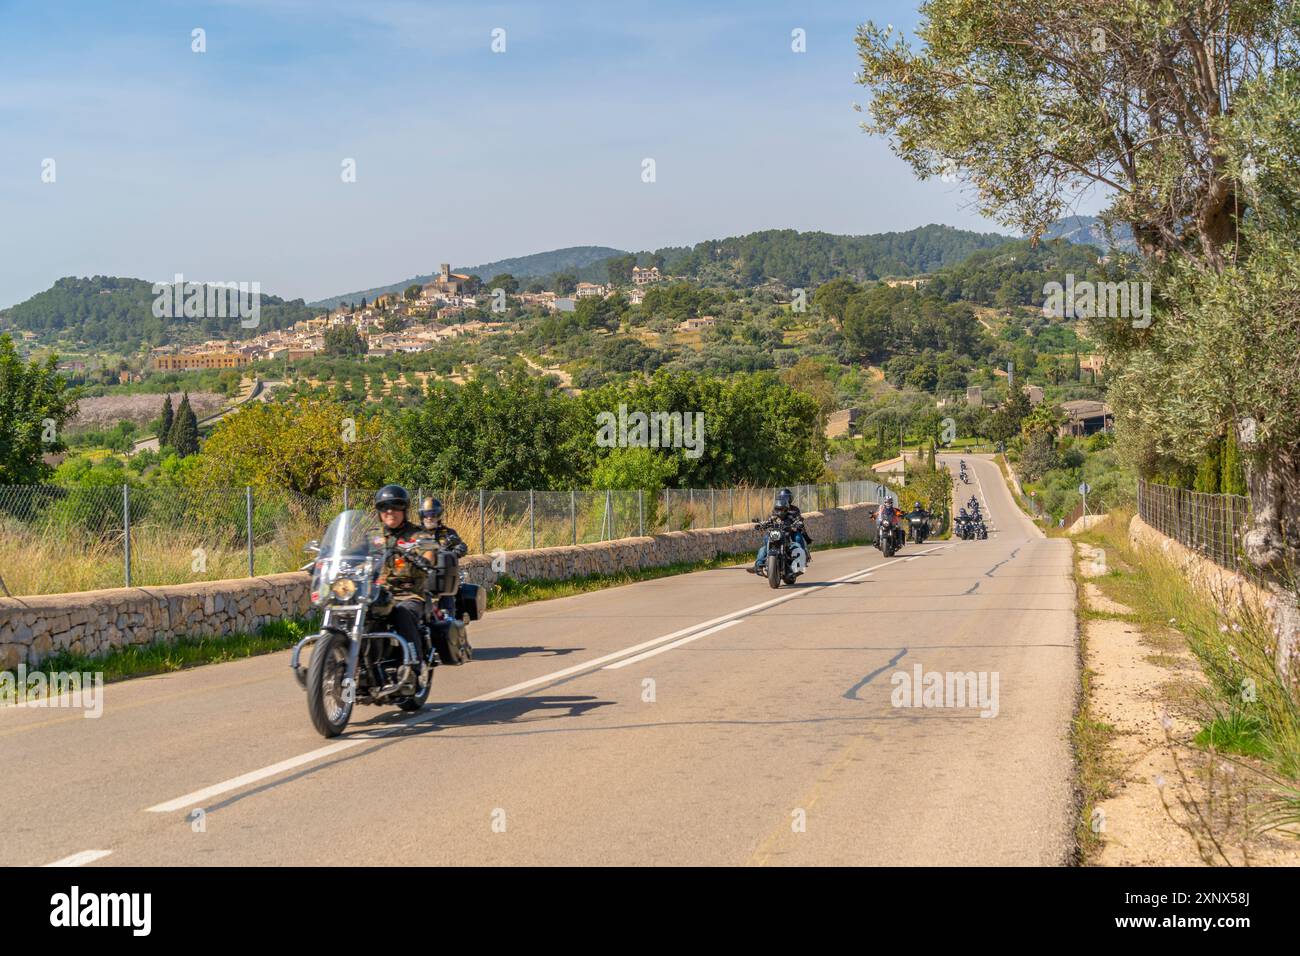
(645, 276)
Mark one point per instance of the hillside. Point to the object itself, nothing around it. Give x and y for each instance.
(570, 259)
(808, 259)
(108, 312)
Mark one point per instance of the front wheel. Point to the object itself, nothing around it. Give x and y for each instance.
(773, 571)
(887, 545)
(329, 702)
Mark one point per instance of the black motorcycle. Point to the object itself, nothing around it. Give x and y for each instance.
(787, 555)
(919, 524)
(890, 535)
(355, 658)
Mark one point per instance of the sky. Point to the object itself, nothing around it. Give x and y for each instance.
(228, 164)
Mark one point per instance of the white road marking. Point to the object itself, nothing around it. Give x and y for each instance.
(669, 647)
(82, 858)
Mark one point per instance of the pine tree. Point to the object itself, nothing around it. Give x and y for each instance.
(168, 419)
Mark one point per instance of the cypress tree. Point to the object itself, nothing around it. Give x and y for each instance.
(168, 419)
(1232, 479)
(184, 437)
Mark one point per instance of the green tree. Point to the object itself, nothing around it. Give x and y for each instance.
(184, 434)
(1187, 116)
(309, 447)
(168, 419)
(343, 340)
(504, 281)
(35, 405)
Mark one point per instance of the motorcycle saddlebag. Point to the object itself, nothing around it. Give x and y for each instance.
(471, 602)
(452, 642)
(445, 575)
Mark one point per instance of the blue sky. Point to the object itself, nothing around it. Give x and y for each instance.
(225, 165)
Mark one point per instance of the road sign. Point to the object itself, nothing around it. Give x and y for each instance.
(1084, 488)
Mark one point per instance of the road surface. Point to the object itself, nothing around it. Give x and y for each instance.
(685, 720)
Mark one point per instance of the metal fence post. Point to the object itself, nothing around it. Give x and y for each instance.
(482, 527)
(640, 512)
(609, 515)
(713, 507)
(532, 521)
(573, 512)
(126, 531)
(248, 493)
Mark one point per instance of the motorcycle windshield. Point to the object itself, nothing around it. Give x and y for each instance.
(352, 549)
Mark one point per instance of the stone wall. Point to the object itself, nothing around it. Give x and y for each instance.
(95, 622)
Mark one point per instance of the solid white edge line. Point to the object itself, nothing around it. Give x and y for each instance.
(668, 647)
(197, 797)
(82, 858)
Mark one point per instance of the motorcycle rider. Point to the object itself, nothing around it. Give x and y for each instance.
(402, 578)
(785, 511)
(447, 538)
(919, 511)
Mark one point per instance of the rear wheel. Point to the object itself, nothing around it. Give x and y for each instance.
(420, 697)
(329, 702)
(773, 571)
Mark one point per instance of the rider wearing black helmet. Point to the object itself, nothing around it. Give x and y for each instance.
(786, 511)
(400, 576)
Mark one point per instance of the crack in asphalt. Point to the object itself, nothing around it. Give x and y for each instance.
(852, 692)
(989, 572)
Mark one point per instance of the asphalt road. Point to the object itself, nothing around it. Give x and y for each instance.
(617, 727)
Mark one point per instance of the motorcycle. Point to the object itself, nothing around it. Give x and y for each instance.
(920, 525)
(787, 556)
(890, 537)
(354, 658)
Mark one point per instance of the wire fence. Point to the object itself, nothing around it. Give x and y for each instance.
(1210, 524)
(56, 539)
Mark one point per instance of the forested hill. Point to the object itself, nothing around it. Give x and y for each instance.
(107, 312)
(810, 258)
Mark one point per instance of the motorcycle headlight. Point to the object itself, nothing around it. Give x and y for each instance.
(774, 535)
(343, 588)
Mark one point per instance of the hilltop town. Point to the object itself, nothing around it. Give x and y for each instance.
(448, 307)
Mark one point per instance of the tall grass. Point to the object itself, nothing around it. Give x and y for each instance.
(75, 543)
(1247, 709)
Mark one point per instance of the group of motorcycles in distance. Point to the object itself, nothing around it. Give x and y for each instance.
(969, 524)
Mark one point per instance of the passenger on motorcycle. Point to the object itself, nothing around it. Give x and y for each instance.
(447, 538)
(785, 511)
